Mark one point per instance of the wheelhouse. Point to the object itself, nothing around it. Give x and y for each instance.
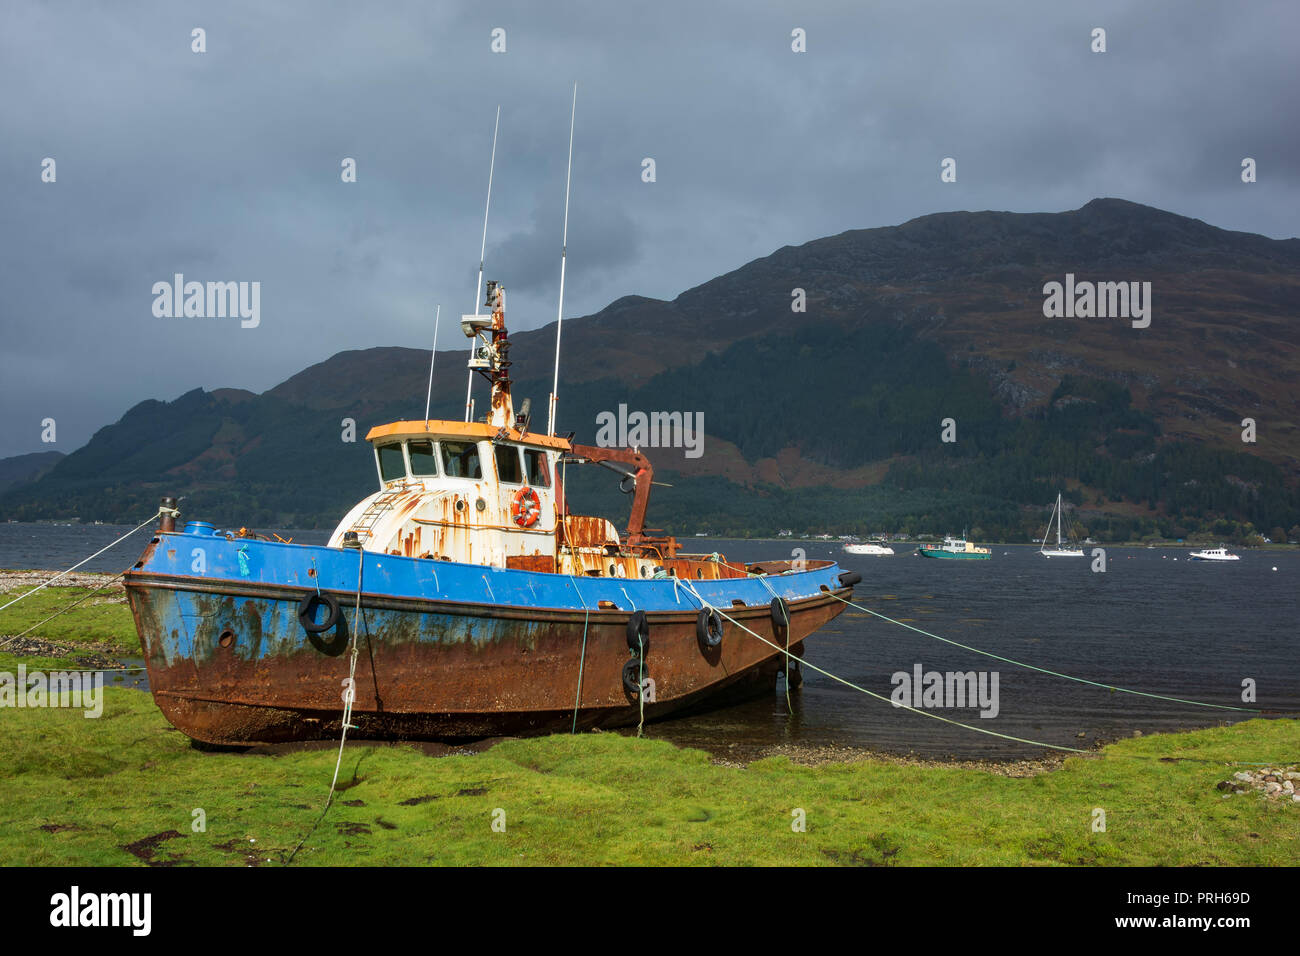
(491, 492)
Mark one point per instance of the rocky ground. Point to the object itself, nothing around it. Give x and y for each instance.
(84, 655)
(1277, 783)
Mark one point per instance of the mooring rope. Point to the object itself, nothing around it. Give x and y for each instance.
(351, 693)
(881, 697)
(785, 612)
(583, 659)
(65, 610)
(956, 723)
(640, 693)
(1044, 670)
(348, 697)
(46, 584)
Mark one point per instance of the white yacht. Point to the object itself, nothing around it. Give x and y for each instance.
(1214, 554)
(1059, 551)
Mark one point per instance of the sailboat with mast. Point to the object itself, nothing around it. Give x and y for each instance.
(1060, 551)
(464, 597)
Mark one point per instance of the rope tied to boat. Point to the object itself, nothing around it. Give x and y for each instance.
(46, 584)
(90, 594)
(881, 697)
(1044, 670)
(947, 720)
(350, 694)
(640, 694)
(582, 661)
(785, 614)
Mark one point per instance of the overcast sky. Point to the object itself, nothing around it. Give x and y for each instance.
(225, 165)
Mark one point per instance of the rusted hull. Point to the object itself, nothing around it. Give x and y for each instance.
(230, 663)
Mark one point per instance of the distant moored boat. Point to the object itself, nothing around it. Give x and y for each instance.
(875, 550)
(1059, 551)
(954, 549)
(1214, 554)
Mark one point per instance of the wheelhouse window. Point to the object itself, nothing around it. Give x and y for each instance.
(460, 460)
(508, 470)
(392, 465)
(538, 469)
(424, 461)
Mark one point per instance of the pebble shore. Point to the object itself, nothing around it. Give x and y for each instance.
(1276, 783)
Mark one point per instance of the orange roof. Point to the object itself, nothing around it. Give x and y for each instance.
(476, 430)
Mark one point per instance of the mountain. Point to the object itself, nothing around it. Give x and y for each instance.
(21, 469)
(830, 418)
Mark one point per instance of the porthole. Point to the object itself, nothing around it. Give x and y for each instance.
(227, 638)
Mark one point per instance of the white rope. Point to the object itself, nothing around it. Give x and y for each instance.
(582, 661)
(65, 610)
(84, 560)
(640, 692)
(351, 692)
(1044, 670)
(786, 613)
(846, 683)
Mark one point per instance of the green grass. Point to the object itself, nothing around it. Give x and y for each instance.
(103, 620)
(96, 786)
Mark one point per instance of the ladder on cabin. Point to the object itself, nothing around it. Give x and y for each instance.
(377, 509)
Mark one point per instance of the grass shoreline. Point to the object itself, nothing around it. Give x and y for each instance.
(127, 789)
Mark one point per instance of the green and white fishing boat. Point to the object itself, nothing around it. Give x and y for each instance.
(954, 549)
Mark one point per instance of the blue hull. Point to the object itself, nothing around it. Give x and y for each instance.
(447, 650)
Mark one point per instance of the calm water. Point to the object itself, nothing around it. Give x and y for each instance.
(1179, 628)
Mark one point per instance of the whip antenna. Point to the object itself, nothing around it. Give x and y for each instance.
(478, 289)
(559, 316)
(428, 397)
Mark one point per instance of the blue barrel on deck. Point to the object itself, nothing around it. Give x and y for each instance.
(199, 527)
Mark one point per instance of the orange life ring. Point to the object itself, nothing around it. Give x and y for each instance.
(525, 507)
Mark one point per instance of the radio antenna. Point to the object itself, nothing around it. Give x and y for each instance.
(564, 244)
(478, 289)
(428, 397)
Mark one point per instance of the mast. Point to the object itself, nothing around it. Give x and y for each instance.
(482, 253)
(564, 244)
(1048, 530)
(1058, 521)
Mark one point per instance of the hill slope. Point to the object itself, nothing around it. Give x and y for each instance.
(830, 418)
(20, 469)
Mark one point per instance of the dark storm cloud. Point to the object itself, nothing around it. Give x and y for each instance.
(225, 165)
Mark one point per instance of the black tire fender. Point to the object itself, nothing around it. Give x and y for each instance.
(632, 672)
(708, 628)
(849, 578)
(638, 633)
(307, 612)
(780, 615)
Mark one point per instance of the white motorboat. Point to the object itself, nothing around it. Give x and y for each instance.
(1060, 551)
(876, 550)
(1214, 554)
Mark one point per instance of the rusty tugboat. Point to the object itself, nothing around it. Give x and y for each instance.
(478, 603)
